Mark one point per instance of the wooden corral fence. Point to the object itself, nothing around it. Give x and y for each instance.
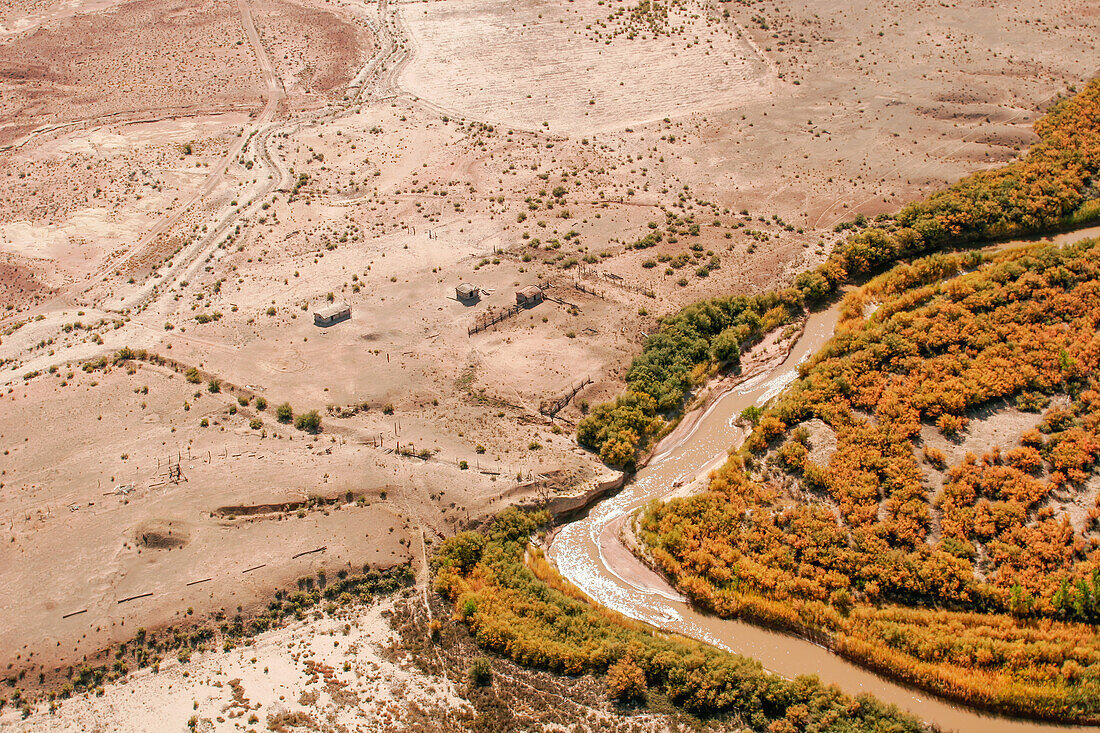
(553, 407)
(492, 317)
(559, 301)
(578, 285)
(612, 279)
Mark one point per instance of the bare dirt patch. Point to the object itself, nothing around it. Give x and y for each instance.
(571, 78)
(378, 667)
(92, 510)
(316, 50)
(163, 55)
(822, 441)
(997, 426)
(75, 197)
(162, 535)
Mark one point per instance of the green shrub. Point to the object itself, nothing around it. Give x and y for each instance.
(309, 422)
(480, 673)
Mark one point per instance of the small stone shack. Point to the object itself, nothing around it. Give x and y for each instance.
(467, 293)
(330, 314)
(529, 296)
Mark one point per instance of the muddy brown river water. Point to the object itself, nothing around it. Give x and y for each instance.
(590, 554)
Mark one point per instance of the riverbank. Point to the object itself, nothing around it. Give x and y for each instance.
(748, 568)
(517, 605)
(590, 555)
(761, 358)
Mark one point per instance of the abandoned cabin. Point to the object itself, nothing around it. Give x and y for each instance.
(467, 293)
(529, 296)
(332, 313)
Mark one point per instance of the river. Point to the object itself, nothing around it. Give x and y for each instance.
(589, 553)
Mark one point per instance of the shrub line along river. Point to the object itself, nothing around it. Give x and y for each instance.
(591, 555)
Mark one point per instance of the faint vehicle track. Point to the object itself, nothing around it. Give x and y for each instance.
(125, 117)
(376, 81)
(379, 69)
(275, 95)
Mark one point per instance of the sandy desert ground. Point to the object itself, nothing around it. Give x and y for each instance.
(371, 669)
(195, 179)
